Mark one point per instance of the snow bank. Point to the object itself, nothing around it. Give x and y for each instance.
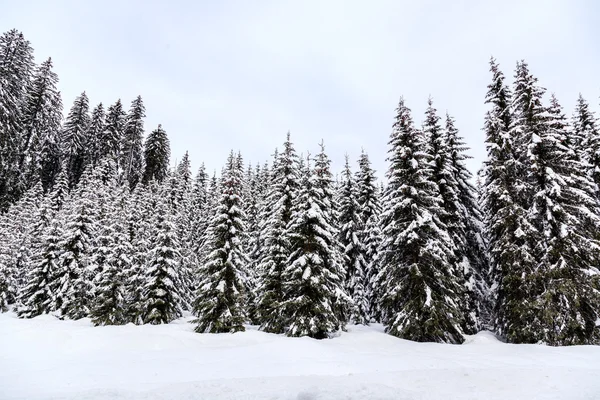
(44, 358)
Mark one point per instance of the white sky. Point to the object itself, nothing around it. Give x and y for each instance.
(239, 74)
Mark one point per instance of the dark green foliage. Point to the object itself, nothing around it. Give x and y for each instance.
(133, 135)
(156, 156)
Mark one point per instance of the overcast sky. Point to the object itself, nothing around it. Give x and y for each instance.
(239, 74)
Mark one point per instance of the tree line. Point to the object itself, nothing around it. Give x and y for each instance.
(96, 224)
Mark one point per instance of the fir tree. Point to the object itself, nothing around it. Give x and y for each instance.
(162, 276)
(73, 136)
(93, 137)
(586, 137)
(36, 297)
(284, 186)
(132, 162)
(471, 252)
(73, 288)
(112, 138)
(420, 295)
(314, 297)
(16, 66)
(351, 239)
(507, 228)
(566, 252)
(219, 303)
(369, 207)
(156, 156)
(41, 118)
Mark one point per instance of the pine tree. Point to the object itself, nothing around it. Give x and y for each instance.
(156, 156)
(314, 297)
(93, 136)
(283, 190)
(132, 162)
(73, 288)
(41, 118)
(219, 303)
(369, 207)
(109, 304)
(586, 137)
(112, 138)
(506, 225)
(139, 220)
(566, 300)
(16, 66)
(351, 239)
(36, 297)
(73, 136)
(162, 276)
(420, 295)
(470, 242)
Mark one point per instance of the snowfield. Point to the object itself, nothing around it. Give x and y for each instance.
(45, 358)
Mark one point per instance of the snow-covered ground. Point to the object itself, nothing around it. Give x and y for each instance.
(45, 358)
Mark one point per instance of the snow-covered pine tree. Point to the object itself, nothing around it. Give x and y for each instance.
(369, 207)
(252, 244)
(16, 67)
(506, 227)
(587, 137)
(314, 295)
(180, 187)
(112, 138)
(443, 175)
(420, 294)
(277, 214)
(470, 245)
(162, 297)
(73, 138)
(220, 299)
(16, 248)
(355, 251)
(140, 211)
(41, 118)
(93, 136)
(73, 288)
(133, 136)
(156, 156)
(566, 255)
(36, 296)
(108, 307)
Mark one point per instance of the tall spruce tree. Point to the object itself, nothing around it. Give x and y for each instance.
(420, 294)
(41, 117)
(369, 206)
(133, 135)
(93, 137)
(36, 296)
(162, 297)
(73, 288)
(354, 249)
(507, 228)
(73, 138)
(16, 67)
(586, 137)
(220, 298)
(565, 298)
(112, 138)
(471, 251)
(156, 156)
(278, 204)
(314, 295)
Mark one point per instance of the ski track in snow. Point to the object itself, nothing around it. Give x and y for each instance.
(45, 358)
